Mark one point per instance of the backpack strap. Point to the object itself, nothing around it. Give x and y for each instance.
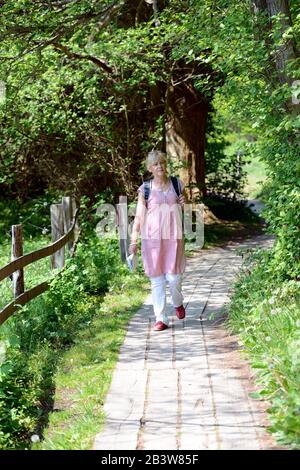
(147, 188)
(176, 186)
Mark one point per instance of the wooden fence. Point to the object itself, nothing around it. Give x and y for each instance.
(64, 230)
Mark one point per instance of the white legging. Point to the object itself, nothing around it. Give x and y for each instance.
(158, 286)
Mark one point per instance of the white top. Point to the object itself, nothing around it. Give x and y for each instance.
(165, 192)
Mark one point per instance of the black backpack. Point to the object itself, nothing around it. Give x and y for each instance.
(147, 188)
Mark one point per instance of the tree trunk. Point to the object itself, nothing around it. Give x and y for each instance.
(259, 5)
(287, 50)
(186, 117)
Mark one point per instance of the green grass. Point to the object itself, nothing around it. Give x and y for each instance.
(85, 371)
(256, 175)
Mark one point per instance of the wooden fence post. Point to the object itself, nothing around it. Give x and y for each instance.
(76, 228)
(16, 252)
(57, 231)
(68, 215)
(122, 226)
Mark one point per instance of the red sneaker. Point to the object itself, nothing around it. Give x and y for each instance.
(159, 326)
(180, 312)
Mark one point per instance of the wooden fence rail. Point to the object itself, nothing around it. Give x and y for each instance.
(27, 259)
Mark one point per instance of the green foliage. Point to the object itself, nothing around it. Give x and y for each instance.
(43, 329)
(80, 110)
(64, 119)
(72, 124)
(283, 206)
(225, 175)
(265, 311)
(17, 398)
(33, 214)
(256, 106)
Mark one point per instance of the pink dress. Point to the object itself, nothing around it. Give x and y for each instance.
(161, 233)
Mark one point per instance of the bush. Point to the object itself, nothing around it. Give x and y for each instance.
(17, 399)
(265, 311)
(43, 328)
(33, 214)
(96, 263)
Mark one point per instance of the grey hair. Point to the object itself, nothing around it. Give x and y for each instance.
(155, 156)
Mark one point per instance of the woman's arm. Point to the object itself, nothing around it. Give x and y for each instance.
(183, 196)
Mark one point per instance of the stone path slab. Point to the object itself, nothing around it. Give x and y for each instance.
(188, 387)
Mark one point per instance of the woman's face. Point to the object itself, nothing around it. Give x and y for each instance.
(158, 168)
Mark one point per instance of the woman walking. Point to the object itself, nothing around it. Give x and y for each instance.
(159, 220)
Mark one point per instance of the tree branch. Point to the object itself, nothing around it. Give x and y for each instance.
(74, 55)
(105, 15)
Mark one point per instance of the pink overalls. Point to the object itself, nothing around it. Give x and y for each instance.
(163, 247)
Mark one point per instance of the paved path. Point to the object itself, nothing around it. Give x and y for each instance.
(187, 387)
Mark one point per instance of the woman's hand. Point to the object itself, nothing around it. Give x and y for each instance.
(181, 200)
(133, 248)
